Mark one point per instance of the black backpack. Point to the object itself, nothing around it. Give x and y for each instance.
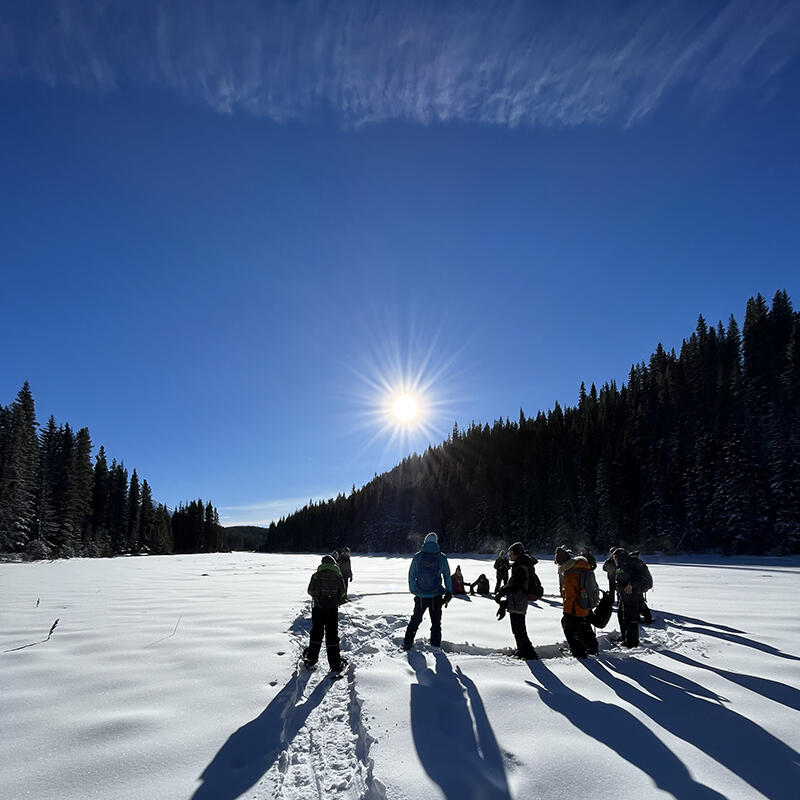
(329, 588)
(535, 588)
(602, 614)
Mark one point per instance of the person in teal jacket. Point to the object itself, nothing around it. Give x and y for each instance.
(429, 582)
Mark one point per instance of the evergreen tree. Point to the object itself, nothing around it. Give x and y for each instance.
(134, 508)
(82, 485)
(118, 507)
(162, 537)
(101, 492)
(18, 478)
(147, 520)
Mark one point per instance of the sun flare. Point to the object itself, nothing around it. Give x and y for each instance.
(405, 408)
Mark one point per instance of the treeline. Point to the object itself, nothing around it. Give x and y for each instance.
(54, 503)
(697, 451)
(245, 537)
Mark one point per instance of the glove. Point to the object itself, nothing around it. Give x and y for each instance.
(447, 598)
(501, 612)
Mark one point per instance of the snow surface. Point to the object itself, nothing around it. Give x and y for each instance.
(177, 677)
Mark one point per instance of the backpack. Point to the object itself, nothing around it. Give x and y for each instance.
(602, 614)
(328, 589)
(428, 569)
(535, 588)
(641, 572)
(589, 595)
(647, 578)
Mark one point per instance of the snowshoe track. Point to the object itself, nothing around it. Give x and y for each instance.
(326, 746)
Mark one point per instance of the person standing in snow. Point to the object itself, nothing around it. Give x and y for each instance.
(575, 622)
(632, 581)
(429, 568)
(501, 566)
(327, 590)
(610, 568)
(645, 615)
(516, 603)
(344, 566)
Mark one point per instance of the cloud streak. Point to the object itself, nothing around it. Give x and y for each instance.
(509, 63)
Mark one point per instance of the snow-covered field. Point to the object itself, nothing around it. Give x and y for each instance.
(176, 677)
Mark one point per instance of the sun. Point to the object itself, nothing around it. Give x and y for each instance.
(405, 408)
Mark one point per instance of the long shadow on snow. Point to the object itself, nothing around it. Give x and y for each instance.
(677, 621)
(249, 752)
(621, 732)
(676, 704)
(772, 690)
(465, 762)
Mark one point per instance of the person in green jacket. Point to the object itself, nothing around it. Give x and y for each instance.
(327, 590)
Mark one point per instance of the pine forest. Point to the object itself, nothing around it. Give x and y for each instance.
(698, 451)
(54, 503)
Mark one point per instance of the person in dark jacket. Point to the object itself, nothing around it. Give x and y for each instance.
(632, 580)
(610, 568)
(480, 585)
(516, 602)
(501, 567)
(429, 568)
(327, 591)
(345, 567)
(645, 615)
(575, 620)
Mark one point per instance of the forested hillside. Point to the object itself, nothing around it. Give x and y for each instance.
(54, 503)
(698, 450)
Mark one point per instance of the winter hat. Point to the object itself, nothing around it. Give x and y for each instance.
(328, 560)
(562, 555)
(517, 548)
(620, 556)
(432, 537)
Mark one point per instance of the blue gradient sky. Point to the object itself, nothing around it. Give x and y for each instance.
(224, 226)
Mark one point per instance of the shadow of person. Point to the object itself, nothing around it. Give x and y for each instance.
(692, 713)
(442, 725)
(720, 632)
(772, 690)
(620, 731)
(255, 747)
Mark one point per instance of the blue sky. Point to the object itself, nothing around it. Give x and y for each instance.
(228, 227)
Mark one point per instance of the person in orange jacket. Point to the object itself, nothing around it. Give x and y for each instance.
(580, 635)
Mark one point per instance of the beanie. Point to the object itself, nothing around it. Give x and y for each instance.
(562, 555)
(328, 560)
(432, 537)
(517, 549)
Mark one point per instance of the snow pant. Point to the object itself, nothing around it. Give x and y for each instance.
(502, 580)
(434, 607)
(628, 615)
(524, 647)
(324, 620)
(644, 613)
(580, 635)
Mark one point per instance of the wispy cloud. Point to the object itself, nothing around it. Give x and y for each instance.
(506, 63)
(264, 512)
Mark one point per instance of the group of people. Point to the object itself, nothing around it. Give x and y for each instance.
(433, 586)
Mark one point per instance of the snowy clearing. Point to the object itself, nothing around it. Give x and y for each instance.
(177, 677)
